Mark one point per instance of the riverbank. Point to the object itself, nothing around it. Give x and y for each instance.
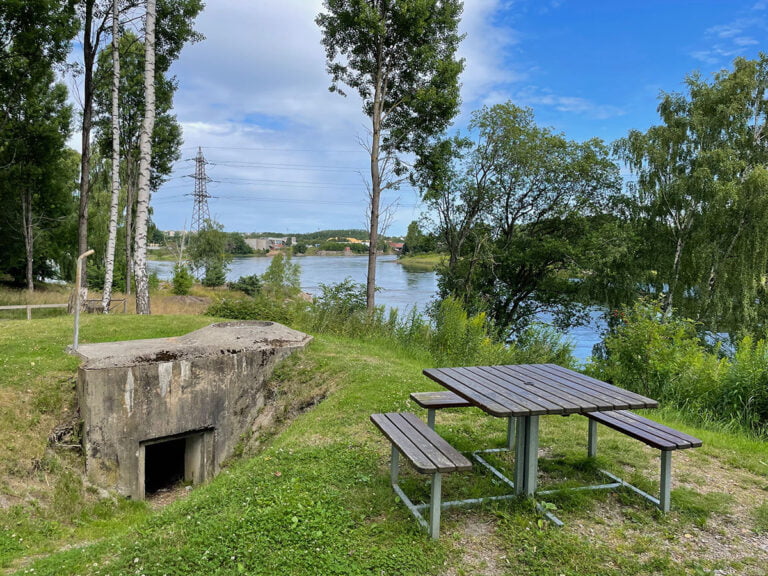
(422, 261)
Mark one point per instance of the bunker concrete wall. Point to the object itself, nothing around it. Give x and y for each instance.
(209, 384)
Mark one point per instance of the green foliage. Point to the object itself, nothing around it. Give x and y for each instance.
(282, 277)
(460, 340)
(166, 135)
(182, 280)
(38, 179)
(744, 390)
(340, 247)
(400, 57)
(463, 340)
(661, 357)
(261, 307)
(342, 299)
(703, 196)
(416, 242)
(237, 245)
(249, 285)
(208, 252)
(522, 213)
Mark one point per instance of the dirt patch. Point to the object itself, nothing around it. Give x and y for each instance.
(477, 548)
(165, 496)
(724, 538)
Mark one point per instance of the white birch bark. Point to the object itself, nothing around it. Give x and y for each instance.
(112, 237)
(145, 148)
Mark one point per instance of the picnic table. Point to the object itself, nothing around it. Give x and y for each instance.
(527, 391)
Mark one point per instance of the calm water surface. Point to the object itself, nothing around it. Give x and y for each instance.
(400, 287)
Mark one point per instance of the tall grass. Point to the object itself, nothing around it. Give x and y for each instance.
(665, 358)
(451, 338)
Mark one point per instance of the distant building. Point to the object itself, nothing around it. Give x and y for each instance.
(396, 246)
(270, 243)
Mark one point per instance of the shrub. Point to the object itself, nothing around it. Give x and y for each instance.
(259, 308)
(249, 285)
(662, 357)
(215, 274)
(744, 391)
(182, 280)
(282, 277)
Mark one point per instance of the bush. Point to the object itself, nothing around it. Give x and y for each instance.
(182, 280)
(344, 298)
(249, 285)
(215, 274)
(461, 340)
(282, 277)
(662, 357)
(259, 308)
(744, 391)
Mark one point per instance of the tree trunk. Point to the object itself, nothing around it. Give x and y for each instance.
(26, 214)
(130, 188)
(666, 306)
(112, 238)
(89, 56)
(145, 151)
(376, 120)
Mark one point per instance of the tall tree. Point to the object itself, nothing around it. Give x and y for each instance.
(115, 172)
(94, 14)
(145, 159)
(703, 186)
(36, 163)
(34, 124)
(400, 57)
(208, 253)
(166, 137)
(175, 29)
(521, 211)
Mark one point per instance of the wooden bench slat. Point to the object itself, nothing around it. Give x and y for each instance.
(645, 430)
(440, 461)
(427, 451)
(684, 440)
(458, 461)
(442, 399)
(419, 460)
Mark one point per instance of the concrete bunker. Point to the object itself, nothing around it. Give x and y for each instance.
(160, 411)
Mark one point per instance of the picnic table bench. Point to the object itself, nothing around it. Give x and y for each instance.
(436, 400)
(428, 452)
(653, 434)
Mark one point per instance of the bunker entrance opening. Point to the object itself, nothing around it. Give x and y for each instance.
(164, 464)
(168, 461)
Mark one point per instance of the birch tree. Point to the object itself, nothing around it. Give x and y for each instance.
(400, 57)
(703, 185)
(145, 160)
(115, 173)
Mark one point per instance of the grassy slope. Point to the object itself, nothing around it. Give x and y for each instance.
(316, 500)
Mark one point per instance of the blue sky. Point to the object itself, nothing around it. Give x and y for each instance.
(285, 155)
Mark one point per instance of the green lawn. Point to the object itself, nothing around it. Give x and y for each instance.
(315, 499)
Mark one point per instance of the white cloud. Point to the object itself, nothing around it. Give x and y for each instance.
(729, 40)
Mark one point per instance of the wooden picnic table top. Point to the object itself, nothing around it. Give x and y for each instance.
(535, 389)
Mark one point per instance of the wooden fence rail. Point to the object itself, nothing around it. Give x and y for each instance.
(29, 307)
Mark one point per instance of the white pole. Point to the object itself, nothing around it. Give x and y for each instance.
(78, 275)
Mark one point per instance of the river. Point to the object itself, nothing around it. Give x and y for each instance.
(401, 287)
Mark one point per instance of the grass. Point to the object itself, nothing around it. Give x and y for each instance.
(312, 497)
(421, 261)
